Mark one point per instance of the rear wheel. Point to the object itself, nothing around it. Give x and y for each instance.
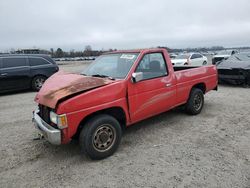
(37, 82)
(195, 102)
(100, 136)
(204, 63)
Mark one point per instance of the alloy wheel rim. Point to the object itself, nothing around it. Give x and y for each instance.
(39, 82)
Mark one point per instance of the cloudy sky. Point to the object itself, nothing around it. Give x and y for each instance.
(73, 24)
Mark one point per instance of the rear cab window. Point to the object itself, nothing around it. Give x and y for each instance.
(14, 62)
(152, 65)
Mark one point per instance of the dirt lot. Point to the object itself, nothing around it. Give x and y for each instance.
(171, 150)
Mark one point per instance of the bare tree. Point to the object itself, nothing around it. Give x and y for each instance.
(87, 51)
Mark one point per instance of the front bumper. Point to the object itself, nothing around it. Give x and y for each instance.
(50, 133)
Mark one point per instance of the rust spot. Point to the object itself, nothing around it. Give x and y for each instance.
(78, 85)
(63, 87)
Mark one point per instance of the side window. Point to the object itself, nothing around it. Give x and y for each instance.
(35, 61)
(199, 56)
(14, 62)
(193, 56)
(152, 66)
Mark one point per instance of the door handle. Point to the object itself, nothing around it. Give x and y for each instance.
(4, 74)
(168, 84)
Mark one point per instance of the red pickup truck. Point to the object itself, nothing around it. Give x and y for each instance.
(117, 90)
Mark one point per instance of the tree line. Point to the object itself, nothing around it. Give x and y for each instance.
(59, 53)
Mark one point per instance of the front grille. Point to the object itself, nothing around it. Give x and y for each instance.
(44, 113)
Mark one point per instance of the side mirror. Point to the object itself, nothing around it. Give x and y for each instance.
(137, 76)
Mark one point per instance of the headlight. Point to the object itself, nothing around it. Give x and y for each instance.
(53, 117)
(59, 120)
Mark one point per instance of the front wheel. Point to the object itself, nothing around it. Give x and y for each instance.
(100, 136)
(204, 63)
(195, 102)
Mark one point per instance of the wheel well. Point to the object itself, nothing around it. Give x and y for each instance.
(32, 78)
(200, 86)
(38, 75)
(116, 112)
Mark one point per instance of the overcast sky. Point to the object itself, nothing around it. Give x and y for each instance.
(73, 24)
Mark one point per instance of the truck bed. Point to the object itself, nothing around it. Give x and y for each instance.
(185, 67)
(188, 76)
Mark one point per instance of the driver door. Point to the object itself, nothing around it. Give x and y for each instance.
(155, 93)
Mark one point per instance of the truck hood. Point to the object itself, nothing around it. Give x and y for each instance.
(62, 85)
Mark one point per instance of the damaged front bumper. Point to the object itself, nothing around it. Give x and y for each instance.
(50, 133)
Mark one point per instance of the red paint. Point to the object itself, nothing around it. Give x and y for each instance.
(138, 100)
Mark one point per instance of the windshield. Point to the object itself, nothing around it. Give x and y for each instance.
(182, 56)
(112, 65)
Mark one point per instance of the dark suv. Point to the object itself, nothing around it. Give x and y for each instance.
(21, 71)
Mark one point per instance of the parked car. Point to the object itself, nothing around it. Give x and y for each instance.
(223, 55)
(193, 59)
(19, 72)
(235, 69)
(117, 90)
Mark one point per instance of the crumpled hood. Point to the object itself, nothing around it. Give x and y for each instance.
(61, 85)
(234, 65)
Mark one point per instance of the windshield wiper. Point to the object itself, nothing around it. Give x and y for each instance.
(103, 76)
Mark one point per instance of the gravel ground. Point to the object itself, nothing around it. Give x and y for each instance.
(173, 149)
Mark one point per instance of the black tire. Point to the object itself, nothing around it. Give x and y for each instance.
(195, 102)
(100, 136)
(37, 82)
(204, 63)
